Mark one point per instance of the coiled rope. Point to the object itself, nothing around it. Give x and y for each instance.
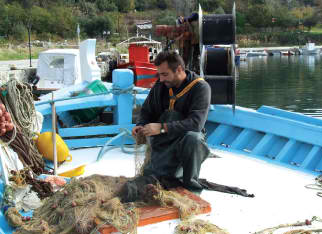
(18, 100)
(316, 186)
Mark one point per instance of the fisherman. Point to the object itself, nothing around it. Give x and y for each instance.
(174, 116)
(189, 45)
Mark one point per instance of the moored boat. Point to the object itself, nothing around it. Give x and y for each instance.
(271, 152)
(309, 49)
(141, 56)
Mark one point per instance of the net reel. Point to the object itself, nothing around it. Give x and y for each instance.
(217, 55)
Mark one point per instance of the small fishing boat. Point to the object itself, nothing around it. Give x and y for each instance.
(287, 53)
(309, 49)
(142, 52)
(257, 53)
(270, 152)
(275, 154)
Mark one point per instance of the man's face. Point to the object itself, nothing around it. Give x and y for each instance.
(167, 76)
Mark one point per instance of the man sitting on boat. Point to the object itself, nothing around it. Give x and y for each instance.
(174, 115)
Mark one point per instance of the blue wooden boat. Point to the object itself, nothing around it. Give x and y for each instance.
(268, 151)
(281, 137)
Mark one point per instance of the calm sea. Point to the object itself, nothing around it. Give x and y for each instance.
(292, 83)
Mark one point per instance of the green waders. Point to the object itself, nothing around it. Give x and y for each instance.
(178, 156)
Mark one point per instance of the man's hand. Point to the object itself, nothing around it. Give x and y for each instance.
(151, 129)
(136, 130)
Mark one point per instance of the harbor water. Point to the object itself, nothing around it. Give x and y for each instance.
(292, 83)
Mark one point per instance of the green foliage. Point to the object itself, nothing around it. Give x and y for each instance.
(40, 20)
(125, 5)
(219, 11)
(88, 8)
(142, 5)
(66, 27)
(259, 16)
(168, 18)
(162, 4)
(20, 32)
(311, 21)
(106, 5)
(56, 19)
(211, 5)
(4, 19)
(240, 22)
(95, 27)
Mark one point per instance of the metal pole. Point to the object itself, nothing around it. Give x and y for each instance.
(29, 29)
(53, 116)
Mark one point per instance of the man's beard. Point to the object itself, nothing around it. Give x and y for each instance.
(169, 84)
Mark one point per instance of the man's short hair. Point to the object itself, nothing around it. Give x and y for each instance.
(174, 60)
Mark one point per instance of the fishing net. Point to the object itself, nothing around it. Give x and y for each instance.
(81, 205)
(198, 226)
(86, 204)
(142, 157)
(154, 194)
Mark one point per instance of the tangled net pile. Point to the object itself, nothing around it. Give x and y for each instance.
(86, 204)
(82, 206)
(198, 226)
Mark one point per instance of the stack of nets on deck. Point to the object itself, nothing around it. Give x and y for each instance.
(198, 226)
(87, 204)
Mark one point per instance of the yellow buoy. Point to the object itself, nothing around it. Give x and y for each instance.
(44, 144)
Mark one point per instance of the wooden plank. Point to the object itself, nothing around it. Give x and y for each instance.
(156, 214)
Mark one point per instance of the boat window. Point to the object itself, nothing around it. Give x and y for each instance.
(57, 62)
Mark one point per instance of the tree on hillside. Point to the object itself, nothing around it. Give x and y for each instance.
(284, 18)
(168, 18)
(62, 23)
(40, 20)
(240, 22)
(302, 14)
(259, 16)
(211, 5)
(125, 5)
(184, 7)
(4, 19)
(16, 17)
(310, 21)
(106, 5)
(95, 27)
(142, 5)
(88, 8)
(162, 4)
(318, 10)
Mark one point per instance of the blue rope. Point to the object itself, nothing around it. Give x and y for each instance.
(123, 133)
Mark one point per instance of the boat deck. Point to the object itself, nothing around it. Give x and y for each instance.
(280, 193)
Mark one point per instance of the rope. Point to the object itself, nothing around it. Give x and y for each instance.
(123, 133)
(316, 186)
(19, 102)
